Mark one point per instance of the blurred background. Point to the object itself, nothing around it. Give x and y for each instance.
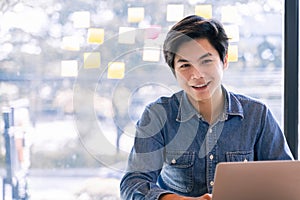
(76, 75)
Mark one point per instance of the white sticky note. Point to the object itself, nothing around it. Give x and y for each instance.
(81, 19)
(175, 12)
(70, 43)
(229, 14)
(69, 68)
(232, 32)
(126, 35)
(151, 55)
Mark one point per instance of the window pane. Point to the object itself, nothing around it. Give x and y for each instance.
(76, 75)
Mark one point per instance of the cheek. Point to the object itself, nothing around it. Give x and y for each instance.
(217, 72)
(181, 78)
(220, 73)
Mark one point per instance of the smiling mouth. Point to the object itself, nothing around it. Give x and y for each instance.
(200, 86)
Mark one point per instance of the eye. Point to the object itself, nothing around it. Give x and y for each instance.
(185, 65)
(207, 61)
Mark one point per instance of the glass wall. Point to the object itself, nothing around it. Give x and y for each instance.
(76, 75)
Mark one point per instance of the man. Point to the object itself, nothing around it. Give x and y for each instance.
(180, 139)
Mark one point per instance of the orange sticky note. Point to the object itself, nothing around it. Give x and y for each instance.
(135, 14)
(116, 70)
(204, 11)
(233, 53)
(69, 68)
(95, 35)
(175, 12)
(91, 60)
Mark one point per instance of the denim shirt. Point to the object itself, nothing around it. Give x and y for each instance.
(176, 150)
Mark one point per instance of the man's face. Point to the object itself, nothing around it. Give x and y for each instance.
(199, 70)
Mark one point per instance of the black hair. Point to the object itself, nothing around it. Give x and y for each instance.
(195, 27)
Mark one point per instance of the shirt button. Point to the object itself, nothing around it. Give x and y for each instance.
(211, 157)
(210, 130)
(173, 161)
(211, 183)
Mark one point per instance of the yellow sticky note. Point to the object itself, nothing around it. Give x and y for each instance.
(81, 19)
(70, 43)
(232, 32)
(126, 35)
(175, 12)
(152, 55)
(229, 14)
(95, 35)
(116, 70)
(204, 11)
(233, 53)
(69, 68)
(91, 60)
(135, 14)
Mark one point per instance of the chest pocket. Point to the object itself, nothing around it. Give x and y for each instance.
(239, 156)
(177, 172)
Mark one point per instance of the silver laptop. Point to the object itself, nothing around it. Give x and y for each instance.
(259, 180)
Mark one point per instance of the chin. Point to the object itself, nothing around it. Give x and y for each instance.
(202, 99)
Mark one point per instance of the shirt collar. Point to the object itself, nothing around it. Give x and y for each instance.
(186, 111)
(233, 105)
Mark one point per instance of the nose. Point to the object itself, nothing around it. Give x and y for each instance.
(197, 73)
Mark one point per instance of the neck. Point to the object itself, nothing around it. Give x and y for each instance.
(211, 109)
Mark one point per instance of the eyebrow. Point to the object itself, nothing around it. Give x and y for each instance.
(201, 57)
(205, 55)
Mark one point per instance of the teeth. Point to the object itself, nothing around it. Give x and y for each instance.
(202, 85)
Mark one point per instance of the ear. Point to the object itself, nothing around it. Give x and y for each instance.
(225, 63)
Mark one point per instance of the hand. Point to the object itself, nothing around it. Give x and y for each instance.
(177, 197)
(206, 197)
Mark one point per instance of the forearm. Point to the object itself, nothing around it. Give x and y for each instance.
(171, 197)
(136, 186)
(177, 197)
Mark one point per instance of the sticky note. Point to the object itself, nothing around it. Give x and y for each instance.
(152, 55)
(91, 59)
(135, 14)
(175, 12)
(95, 35)
(204, 11)
(232, 53)
(232, 32)
(152, 32)
(81, 19)
(69, 68)
(70, 43)
(229, 14)
(126, 35)
(116, 70)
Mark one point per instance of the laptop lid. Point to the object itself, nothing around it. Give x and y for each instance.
(259, 180)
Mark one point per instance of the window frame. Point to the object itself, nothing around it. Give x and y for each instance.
(291, 75)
